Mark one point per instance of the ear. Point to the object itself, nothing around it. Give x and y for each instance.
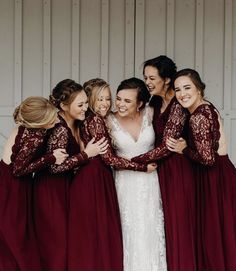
(140, 104)
(167, 81)
(63, 106)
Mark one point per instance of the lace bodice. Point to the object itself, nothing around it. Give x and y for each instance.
(61, 137)
(94, 126)
(204, 135)
(170, 123)
(29, 151)
(124, 143)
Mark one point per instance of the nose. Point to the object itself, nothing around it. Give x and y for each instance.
(179, 93)
(147, 81)
(104, 102)
(85, 107)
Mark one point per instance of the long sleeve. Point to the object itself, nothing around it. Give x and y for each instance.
(60, 139)
(96, 128)
(203, 152)
(174, 128)
(24, 161)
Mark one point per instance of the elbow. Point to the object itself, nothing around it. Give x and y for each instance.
(209, 162)
(17, 172)
(53, 170)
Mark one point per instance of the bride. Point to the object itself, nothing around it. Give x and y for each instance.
(138, 192)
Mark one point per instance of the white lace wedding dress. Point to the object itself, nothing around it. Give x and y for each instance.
(139, 201)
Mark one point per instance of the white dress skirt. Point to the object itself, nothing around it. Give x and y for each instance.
(139, 201)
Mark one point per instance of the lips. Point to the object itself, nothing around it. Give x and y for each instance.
(122, 110)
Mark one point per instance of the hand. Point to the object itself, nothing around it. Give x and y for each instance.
(100, 147)
(151, 167)
(176, 145)
(60, 155)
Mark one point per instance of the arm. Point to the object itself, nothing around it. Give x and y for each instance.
(59, 140)
(24, 162)
(174, 128)
(97, 129)
(202, 137)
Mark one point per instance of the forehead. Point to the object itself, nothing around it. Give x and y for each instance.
(130, 93)
(80, 97)
(104, 91)
(150, 70)
(183, 80)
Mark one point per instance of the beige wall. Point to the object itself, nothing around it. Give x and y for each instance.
(44, 41)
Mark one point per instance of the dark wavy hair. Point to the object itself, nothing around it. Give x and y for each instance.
(136, 83)
(166, 67)
(65, 92)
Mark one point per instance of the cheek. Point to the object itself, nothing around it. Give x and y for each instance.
(109, 104)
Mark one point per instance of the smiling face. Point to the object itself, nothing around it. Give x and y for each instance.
(155, 83)
(187, 93)
(126, 102)
(76, 110)
(102, 103)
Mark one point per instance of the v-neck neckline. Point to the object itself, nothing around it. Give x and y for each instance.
(126, 132)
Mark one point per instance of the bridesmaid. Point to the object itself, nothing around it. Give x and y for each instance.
(174, 170)
(23, 154)
(95, 239)
(215, 175)
(51, 186)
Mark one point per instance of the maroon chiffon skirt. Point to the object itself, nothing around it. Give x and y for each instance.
(95, 239)
(217, 215)
(18, 248)
(178, 192)
(51, 218)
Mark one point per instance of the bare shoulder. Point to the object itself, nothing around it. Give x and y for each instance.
(7, 150)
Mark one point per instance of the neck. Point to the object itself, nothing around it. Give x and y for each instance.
(69, 121)
(195, 106)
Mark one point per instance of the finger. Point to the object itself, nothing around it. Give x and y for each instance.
(101, 140)
(103, 144)
(92, 140)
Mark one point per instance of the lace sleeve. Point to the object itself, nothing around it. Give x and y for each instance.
(24, 162)
(97, 129)
(174, 128)
(59, 139)
(202, 138)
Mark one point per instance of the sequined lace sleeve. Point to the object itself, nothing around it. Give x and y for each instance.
(59, 139)
(96, 128)
(174, 128)
(202, 138)
(24, 161)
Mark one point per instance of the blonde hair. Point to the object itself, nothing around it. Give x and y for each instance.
(35, 112)
(93, 88)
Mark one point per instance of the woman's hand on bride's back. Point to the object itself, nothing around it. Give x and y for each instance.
(151, 167)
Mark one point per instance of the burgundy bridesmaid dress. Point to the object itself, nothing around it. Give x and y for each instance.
(18, 247)
(51, 199)
(216, 192)
(177, 186)
(95, 237)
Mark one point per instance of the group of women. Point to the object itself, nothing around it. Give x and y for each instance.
(148, 187)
